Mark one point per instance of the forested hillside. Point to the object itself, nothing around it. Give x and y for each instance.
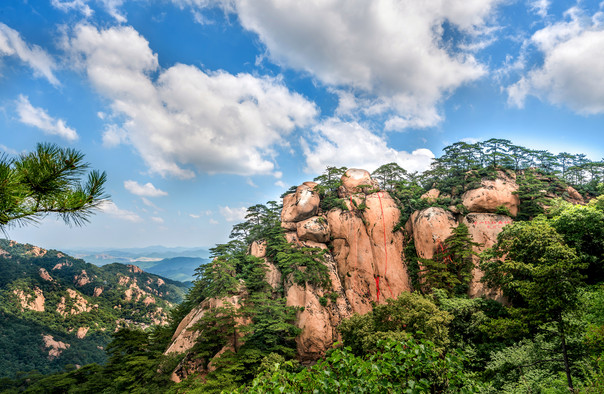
(483, 274)
(57, 311)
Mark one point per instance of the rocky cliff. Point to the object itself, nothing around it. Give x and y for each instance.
(364, 246)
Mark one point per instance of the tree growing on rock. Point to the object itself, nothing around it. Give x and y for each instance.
(451, 267)
(389, 175)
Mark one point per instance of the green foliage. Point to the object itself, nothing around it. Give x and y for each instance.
(323, 301)
(47, 181)
(327, 188)
(503, 210)
(582, 228)
(537, 271)
(410, 313)
(389, 175)
(408, 366)
(451, 267)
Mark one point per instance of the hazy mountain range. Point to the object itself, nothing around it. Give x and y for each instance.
(176, 263)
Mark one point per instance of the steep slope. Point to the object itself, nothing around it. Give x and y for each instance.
(56, 310)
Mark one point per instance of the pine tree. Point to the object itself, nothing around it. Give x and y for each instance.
(47, 181)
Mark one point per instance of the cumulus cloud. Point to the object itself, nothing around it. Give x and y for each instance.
(11, 44)
(233, 214)
(157, 219)
(338, 143)
(38, 117)
(572, 73)
(186, 118)
(390, 55)
(146, 190)
(111, 209)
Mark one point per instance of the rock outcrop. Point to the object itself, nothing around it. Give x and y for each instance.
(484, 228)
(430, 227)
(55, 348)
(492, 195)
(364, 256)
(34, 302)
(302, 204)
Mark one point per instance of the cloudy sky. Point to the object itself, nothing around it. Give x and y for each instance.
(197, 109)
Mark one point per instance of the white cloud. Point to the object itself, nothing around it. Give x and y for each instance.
(114, 135)
(112, 7)
(188, 119)
(150, 204)
(572, 73)
(281, 184)
(111, 209)
(8, 150)
(38, 117)
(157, 219)
(389, 55)
(212, 221)
(146, 190)
(338, 143)
(73, 5)
(251, 183)
(11, 44)
(233, 214)
(540, 7)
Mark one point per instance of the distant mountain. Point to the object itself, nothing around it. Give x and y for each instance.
(136, 255)
(57, 310)
(176, 268)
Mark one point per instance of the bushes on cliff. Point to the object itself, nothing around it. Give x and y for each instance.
(410, 313)
(404, 366)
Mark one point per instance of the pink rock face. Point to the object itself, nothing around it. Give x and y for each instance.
(258, 249)
(314, 229)
(45, 275)
(431, 195)
(574, 196)
(355, 180)
(273, 275)
(318, 322)
(184, 337)
(302, 204)
(430, 227)
(492, 194)
(484, 228)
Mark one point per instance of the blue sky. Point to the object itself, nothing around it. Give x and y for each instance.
(197, 109)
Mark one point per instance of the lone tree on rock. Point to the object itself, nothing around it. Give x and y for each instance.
(48, 180)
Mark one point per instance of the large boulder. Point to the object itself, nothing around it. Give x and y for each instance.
(302, 204)
(492, 195)
(356, 181)
(431, 226)
(314, 229)
(484, 228)
(431, 195)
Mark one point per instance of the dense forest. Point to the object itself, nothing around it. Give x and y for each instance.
(547, 266)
